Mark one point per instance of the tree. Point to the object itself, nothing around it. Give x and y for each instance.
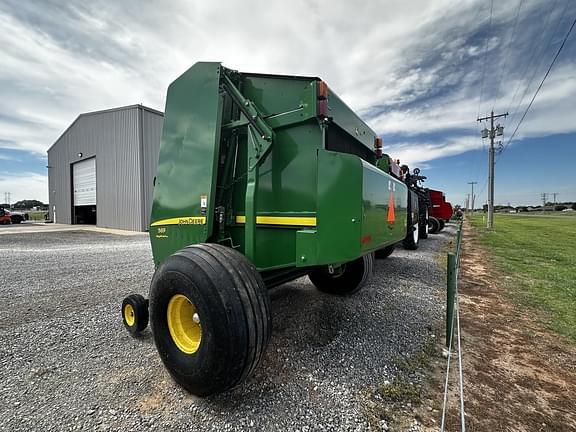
(560, 207)
(574, 206)
(28, 204)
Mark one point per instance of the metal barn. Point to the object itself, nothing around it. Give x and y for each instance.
(101, 170)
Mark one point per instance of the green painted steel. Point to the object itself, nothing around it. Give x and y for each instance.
(381, 225)
(452, 284)
(384, 163)
(187, 162)
(263, 164)
(450, 296)
(347, 119)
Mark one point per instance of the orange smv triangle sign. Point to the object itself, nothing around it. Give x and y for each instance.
(391, 211)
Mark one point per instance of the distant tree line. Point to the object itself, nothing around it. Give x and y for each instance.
(549, 207)
(26, 205)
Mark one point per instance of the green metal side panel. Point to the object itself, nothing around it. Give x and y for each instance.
(385, 209)
(339, 207)
(384, 163)
(360, 209)
(286, 188)
(278, 97)
(347, 119)
(186, 174)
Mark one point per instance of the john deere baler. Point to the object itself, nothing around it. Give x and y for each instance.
(261, 179)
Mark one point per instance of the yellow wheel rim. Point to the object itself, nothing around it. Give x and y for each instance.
(129, 315)
(184, 324)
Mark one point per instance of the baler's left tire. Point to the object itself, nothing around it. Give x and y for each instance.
(384, 252)
(347, 279)
(442, 224)
(210, 317)
(135, 313)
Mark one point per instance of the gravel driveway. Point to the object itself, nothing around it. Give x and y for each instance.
(67, 363)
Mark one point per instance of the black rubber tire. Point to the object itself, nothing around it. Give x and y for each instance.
(409, 241)
(434, 225)
(232, 303)
(384, 252)
(423, 233)
(140, 310)
(442, 224)
(349, 281)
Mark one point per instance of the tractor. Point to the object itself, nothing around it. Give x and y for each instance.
(440, 211)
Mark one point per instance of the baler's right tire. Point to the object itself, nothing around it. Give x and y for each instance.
(384, 252)
(442, 224)
(434, 225)
(347, 279)
(210, 317)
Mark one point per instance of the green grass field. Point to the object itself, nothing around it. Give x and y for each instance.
(540, 253)
(37, 215)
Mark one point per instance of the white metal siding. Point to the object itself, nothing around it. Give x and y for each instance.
(84, 182)
(125, 141)
(151, 135)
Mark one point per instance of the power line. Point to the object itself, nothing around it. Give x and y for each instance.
(535, 54)
(480, 96)
(485, 58)
(540, 86)
(553, 26)
(503, 68)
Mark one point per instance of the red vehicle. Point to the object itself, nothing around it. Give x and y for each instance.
(440, 210)
(4, 216)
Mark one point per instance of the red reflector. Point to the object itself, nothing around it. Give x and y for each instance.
(322, 90)
(378, 143)
(322, 108)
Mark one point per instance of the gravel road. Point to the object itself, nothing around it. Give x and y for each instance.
(67, 363)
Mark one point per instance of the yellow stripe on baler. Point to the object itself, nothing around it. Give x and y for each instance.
(281, 220)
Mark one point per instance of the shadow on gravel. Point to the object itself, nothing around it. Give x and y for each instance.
(146, 337)
(302, 317)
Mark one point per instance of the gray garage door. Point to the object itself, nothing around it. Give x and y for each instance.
(84, 182)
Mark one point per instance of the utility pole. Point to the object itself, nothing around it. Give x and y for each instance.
(472, 194)
(467, 201)
(544, 197)
(554, 195)
(7, 199)
(492, 133)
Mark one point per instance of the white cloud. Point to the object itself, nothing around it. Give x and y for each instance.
(88, 56)
(23, 186)
(415, 153)
(411, 68)
(8, 158)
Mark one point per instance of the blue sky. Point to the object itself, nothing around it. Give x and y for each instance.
(419, 72)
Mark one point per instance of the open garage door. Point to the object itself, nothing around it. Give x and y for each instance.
(84, 191)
